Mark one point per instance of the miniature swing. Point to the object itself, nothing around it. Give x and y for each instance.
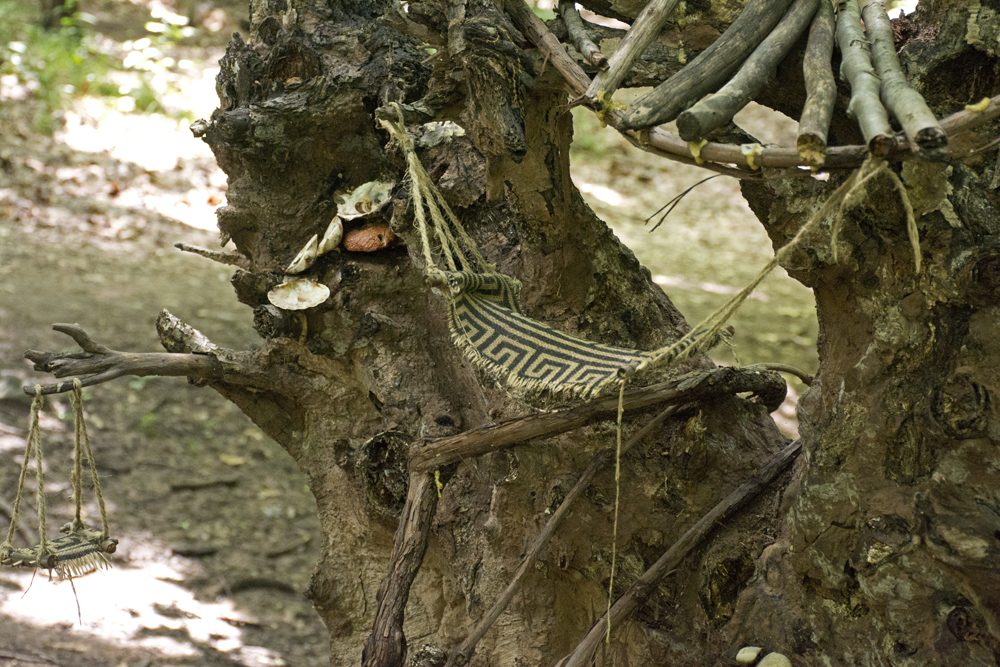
(79, 550)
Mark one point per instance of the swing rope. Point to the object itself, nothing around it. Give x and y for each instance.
(80, 550)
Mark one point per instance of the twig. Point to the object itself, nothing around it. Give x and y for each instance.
(97, 364)
(821, 88)
(581, 40)
(906, 104)
(676, 554)
(710, 69)
(805, 378)
(718, 109)
(464, 651)
(230, 258)
(865, 104)
(716, 157)
(644, 30)
(435, 453)
(386, 645)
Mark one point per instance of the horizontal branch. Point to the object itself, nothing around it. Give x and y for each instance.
(676, 554)
(431, 454)
(97, 363)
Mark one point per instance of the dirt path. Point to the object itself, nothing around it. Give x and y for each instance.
(218, 535)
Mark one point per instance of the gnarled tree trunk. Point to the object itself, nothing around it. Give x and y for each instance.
(888, 536)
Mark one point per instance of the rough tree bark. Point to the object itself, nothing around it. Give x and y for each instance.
(295, 125)
(880, 547)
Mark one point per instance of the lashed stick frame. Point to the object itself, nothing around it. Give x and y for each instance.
(723, 158)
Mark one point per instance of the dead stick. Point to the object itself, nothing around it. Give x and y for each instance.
(821, 88)
(464, 652)
(676, 554)
(644, 30)
(718, 156)
(578, 33)
(857, 68)
(431, 454)
(906, 104)
(711, 69)
(386, 645)
(718, 109)
(97, 363)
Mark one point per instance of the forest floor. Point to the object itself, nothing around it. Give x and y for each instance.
(218, 535)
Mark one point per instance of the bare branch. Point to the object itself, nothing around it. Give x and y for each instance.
(581, 40)
(821, 88)
(676, 554)
(464, 651)
(865, 106)
(646, 28)
(435, 453)
(906, 104)
(715, 156)
(229, 258)
(719, 108)
(98, 364)
(711, 69)
(386, 645)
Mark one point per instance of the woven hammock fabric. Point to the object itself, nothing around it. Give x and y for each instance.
(487, 324)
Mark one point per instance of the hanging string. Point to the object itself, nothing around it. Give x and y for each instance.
(614, 531)
(34, 433)
(82, 437)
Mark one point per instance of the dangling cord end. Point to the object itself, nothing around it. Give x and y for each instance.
(614, 531)
(43, 547)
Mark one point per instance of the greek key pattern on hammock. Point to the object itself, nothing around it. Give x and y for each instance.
(487, 323)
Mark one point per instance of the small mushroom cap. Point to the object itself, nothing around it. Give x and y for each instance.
(364, 200)
(298, 294)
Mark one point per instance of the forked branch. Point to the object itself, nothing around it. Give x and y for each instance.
(97, 364)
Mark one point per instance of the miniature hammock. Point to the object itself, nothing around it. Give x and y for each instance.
(485, 317)
(80, 550)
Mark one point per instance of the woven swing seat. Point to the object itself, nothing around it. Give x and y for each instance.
(487, 324)
(71, 555)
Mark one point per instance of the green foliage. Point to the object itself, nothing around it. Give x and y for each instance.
(56, 66)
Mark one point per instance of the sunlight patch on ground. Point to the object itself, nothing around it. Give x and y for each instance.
(606, 195)
(714, 288)
(131, 606)
(155, 143)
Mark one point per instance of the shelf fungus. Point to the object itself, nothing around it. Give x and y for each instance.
(364, 200)
(331, 238)
(305, 258)
(298, 294)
